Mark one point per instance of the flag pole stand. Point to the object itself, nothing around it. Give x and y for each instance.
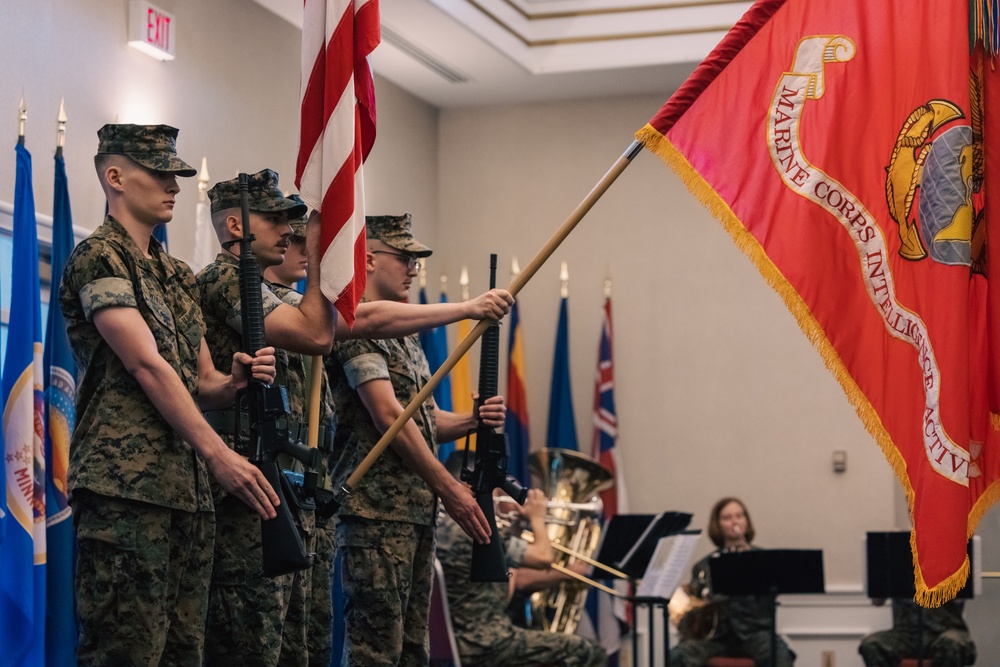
(466, 344)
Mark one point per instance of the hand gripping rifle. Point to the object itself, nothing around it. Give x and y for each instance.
(265, 409)
(490, 471)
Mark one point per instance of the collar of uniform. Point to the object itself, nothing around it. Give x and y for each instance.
(116, 231)
(225, 257)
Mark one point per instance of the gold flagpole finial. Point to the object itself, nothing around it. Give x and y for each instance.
(22, 120)
(515, 268)
(564, 278)
(423, 276)
(464, 282)
(203, 181)
(61, 125)
(607, 286)
(444, 284)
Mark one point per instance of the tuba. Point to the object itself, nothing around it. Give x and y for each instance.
(572, 483)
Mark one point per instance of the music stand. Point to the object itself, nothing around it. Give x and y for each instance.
(769, 572)
(627, 544)
(890, 574)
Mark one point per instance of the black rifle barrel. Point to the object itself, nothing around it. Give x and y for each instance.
(282, 547)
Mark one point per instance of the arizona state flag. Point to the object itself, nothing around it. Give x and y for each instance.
(844, 145)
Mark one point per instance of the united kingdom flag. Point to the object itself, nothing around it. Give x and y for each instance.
(605, 420)
(603, 610)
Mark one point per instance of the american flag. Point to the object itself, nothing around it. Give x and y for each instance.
(337, 133)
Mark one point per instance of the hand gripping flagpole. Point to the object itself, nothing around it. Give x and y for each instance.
(466, 344)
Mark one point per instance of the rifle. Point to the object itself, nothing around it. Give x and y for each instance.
(490, 471)
(265, 408)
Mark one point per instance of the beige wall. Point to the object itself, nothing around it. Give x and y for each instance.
(232, 91)
(401, 173)
(718, 392)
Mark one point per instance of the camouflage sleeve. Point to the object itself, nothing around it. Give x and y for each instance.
(362, 360)
(234, 316)
(365, 368)
(292, 298)
(102, 279)
(286, 294)
(515, 549)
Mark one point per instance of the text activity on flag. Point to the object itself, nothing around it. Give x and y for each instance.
(803, 83)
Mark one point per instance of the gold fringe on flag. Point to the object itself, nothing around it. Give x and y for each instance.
(655, 142)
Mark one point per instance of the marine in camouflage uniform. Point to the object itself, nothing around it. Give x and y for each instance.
(945, 637)
(742, 627)
(385, 529)
(309, 624)
(484, 632)
(247, 611)
(142, 506)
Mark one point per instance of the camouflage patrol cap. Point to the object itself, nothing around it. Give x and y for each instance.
(263, 195)
(298, 224)
(152, 146)
(394, 230)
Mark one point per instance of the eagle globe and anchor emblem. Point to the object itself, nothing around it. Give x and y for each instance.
(934, 194)
(938, 162)
(943, 159)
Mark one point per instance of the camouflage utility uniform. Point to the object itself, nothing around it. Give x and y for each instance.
(483, 630)
(309, 625)
(140, 493)
(945, 638)
(743, 628)
(247, 610)
(386, 526)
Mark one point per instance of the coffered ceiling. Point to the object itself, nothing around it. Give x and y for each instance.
(470, 52)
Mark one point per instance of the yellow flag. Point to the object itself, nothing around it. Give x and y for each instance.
(461, 385)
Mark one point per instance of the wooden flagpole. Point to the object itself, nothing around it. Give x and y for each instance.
(466, 344)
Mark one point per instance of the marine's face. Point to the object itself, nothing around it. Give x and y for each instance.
(149, 195)
(296, 262)
(271, 236)
(391, 271)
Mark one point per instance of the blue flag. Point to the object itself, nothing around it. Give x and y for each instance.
(516, 424)
(562, 424)
(22, 502)
(60, 406)
(435, 345)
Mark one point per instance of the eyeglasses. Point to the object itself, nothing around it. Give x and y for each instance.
(412, 263)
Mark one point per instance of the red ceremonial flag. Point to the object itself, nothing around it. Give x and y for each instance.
(841, 144)
(337, 133)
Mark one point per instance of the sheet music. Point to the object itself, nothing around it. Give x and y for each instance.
(668, 565)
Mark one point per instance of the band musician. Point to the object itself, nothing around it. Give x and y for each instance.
(484, 633)
(737, 626)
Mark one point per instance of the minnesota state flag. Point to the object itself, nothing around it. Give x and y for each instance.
(22, 503)
(845, 145)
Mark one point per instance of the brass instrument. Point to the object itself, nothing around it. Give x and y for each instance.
(694, 617)
(698, 617)
(572, 482)
(529, 537)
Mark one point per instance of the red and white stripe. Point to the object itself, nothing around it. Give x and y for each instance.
(337, 133)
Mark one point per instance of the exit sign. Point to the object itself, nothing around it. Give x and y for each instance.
(151, 30)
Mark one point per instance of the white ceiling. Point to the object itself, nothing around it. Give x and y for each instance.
(474, 52)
